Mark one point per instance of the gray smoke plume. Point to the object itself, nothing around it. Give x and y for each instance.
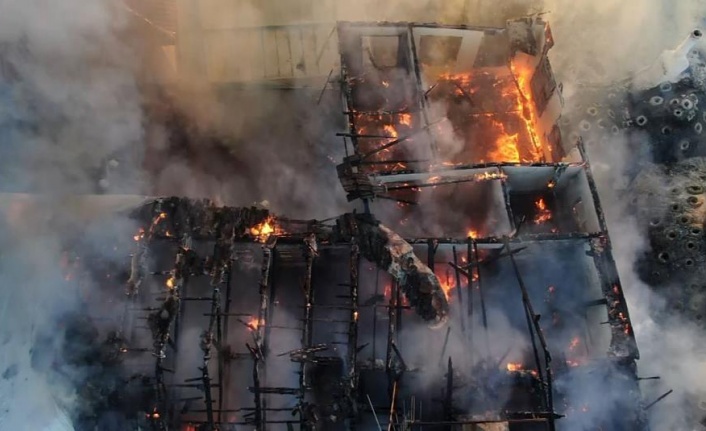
(70, 103)
(599, 43)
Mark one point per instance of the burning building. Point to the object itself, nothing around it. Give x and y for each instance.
(475, 288)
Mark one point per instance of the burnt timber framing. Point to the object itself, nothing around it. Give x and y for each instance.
(367, 179)
(227, 232)
(314, 238)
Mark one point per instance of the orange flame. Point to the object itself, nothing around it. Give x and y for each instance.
(472, 234)
(390, 130)
(406, 120)
(527, 105)
(447, 282)
(254, 323)
(264, 229)
(517, 92)
(543, 213)
(515, 367)
(447, 285)
(506, 146)
(171, 281)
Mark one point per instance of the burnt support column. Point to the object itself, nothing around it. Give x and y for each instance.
(353, 330)
(310, 254)
(536, 330)
(260, 351)
(459, 289)
(390, 369)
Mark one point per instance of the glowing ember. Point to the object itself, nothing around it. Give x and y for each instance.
(517, 367)
(574, 343)
(485, 176)
(514, 366)
(406, 120)
(140, 235)
(543, 213)
(390, 130)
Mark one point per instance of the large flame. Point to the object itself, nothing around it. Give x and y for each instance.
(511, 145)
(506, 146)
(527, 105)
(263, 230)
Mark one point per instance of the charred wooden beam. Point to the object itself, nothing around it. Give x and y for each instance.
(459, 289)
(352, 380)
(259, 352)
(392, 253)
(660, 398)
(535, 329)
(448, 398)
(311, 251)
